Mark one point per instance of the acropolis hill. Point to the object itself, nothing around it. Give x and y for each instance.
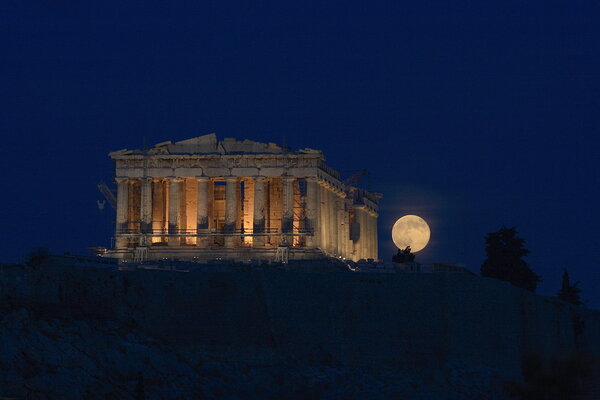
(203, 198)
(298, 324)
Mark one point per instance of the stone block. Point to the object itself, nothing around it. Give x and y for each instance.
(184, 172)
(214, 172)
(272, 172)
(244, 172)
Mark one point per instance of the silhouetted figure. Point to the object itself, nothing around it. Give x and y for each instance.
(568, 292)
(504, 259)
(404, 256)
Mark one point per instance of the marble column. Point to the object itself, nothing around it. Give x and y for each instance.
(334, 232)
(330, 221)
(258, 225)
(288, 208)
(375, 243)
(312, 198)
(360, 214)
(146, 205)
(202, 218)
(370, 237)
(122, 214)
(346, 237)
(327, 219)
(341, 226)
(174, 210)
(363, 234)
(323, 219)
(230, 211)
(367, 243)
(158, 211)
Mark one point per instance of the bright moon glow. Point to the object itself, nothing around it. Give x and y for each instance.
(412, 231)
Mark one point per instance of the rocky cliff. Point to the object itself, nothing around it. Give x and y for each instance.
(267, 333)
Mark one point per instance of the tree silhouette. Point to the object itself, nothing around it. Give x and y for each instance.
(504, 259)
(568, 292)
(37, 256)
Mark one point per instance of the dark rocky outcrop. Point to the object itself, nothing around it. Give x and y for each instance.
(325, 334)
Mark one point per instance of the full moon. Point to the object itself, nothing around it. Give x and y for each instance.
(412, 231)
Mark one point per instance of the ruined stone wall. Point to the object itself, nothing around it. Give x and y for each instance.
(416, 322)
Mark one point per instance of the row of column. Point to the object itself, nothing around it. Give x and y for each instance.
(333, 233)
(367, 243)
(174, 187)
(325, 215)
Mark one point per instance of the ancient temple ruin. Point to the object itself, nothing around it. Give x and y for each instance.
(204, 199)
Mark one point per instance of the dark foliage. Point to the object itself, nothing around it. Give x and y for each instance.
(404, 256)
(504, 259)
(140, 391)
(563, 378)
(37, 257)
(568, 292)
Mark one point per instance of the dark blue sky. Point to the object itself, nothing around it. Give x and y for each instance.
(472, 115)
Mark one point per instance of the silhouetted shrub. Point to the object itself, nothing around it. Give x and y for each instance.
(37, 257)
(562, 378)
(568, 292)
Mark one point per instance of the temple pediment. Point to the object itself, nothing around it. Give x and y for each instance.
(210, 144)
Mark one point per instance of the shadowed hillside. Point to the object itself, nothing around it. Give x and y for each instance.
(342, 334)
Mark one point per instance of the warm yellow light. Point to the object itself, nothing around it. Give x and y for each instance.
(412, 231)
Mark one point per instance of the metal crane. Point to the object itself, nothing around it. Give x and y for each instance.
(355, 178)
(108, 194)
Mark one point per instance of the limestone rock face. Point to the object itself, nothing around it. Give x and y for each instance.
(80, 332)
(48, 358)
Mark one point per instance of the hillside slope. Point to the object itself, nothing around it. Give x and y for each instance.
(274, 334)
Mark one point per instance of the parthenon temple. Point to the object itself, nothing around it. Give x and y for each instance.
(205, 199)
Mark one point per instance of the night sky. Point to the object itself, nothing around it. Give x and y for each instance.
(472, 115)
